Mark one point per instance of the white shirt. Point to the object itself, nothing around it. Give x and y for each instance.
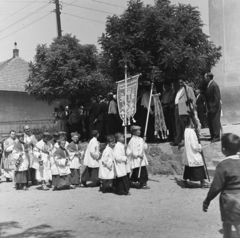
(210, 83)
(92, 154)
(178, 95)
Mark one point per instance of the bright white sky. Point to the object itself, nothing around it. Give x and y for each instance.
(39, 28)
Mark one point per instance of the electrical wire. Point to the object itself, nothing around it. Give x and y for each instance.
(25, 17)
(26, 26)
(107, 4)
(17, 11)
(24, 1)
(90, 8)
(83, 18)
(23, 13)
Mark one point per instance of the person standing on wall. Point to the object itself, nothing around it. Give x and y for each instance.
(182, 110)
(213, 100)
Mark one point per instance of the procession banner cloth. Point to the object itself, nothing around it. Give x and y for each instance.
(132, 87)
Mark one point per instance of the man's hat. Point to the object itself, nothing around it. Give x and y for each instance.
(45, 134)
(19, 134)
(62, 133)
(55, 134)
(95, 132)
(61, 139)
(75, 134)
(135, 128)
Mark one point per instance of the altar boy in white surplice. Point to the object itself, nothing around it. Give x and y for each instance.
(91, 160)
(138, 159)
(106, 166)
(122, 166)
(75, 154)
(43, 152)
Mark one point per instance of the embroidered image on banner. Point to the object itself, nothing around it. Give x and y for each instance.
(132, 87)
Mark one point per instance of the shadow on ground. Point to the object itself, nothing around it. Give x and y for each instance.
(191, 185)
(41, 231)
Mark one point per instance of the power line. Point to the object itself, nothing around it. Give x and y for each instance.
(25, 26)
(89, 8)
(24, 1)
(83, 18)
(17, 11)
(67, 4)
(25, 17)
(108, 4)
(23, 13)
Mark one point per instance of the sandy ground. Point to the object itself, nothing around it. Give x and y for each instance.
(165, 210)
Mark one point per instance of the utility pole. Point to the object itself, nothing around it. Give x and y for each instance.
(58, 12)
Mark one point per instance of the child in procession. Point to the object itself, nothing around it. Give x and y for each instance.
(43, 152)
(121, 166)
(61, 134)
(75, 155)
(22, 160)
(194, 167)
(106, 166)
(137, 157)
(226, 181)
(62, 176)
(91, 160)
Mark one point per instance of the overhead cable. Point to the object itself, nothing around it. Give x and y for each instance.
(26, 26)
(83, 18)
(25, 17)
(92, 9)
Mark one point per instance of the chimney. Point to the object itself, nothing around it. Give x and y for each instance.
(15, 51)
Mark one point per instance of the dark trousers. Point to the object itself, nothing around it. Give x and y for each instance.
(214, 124)
(101, 127)
(227, 230)
(180, 127)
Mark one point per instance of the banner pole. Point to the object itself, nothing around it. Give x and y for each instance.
(125, 123)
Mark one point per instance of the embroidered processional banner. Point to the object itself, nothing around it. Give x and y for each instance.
(132, 87)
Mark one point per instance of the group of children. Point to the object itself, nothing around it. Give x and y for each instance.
(57, 163)
(118, 165)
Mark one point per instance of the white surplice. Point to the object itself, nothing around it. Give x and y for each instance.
(43, 172)
(191, 156)
(92, 154)
(106, 164)
(136, 149)
(121, 161)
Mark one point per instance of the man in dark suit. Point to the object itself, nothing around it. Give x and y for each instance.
(201, 107)
(92, 116)
(213, 99)
(101, 118)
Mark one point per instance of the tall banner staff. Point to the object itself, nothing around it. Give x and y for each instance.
(125, 119)
(189, 104)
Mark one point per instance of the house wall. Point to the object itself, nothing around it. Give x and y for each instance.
(224, 29)
(18, 109)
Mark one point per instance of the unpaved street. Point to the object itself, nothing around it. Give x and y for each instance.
(165, 210)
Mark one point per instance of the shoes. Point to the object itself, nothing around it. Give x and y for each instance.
(181, 144)
(84, 184)
(174, 144)
(44, 187)
(25, 188)
(215, 140)
(72, 187)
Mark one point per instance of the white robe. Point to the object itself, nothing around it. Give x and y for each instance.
(28, 140)
(106, 164)
(43, 172)
(92, 154)
(23, 158)
(60, 162)
(136, 148)
(120, 160)
(191, 157)
(75, 158)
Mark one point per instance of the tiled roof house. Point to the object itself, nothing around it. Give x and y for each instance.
(16, 106)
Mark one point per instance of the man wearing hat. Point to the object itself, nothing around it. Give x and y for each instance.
(91, 160)
(30, 141)
(21, 158)
(8, 164)
(43, 152)
(75, 155)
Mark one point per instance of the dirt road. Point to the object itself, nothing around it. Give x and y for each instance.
(166, 210)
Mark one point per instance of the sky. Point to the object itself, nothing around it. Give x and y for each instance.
(33, 22)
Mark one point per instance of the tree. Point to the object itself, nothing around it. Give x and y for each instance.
(66, 70)
(165, 36)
